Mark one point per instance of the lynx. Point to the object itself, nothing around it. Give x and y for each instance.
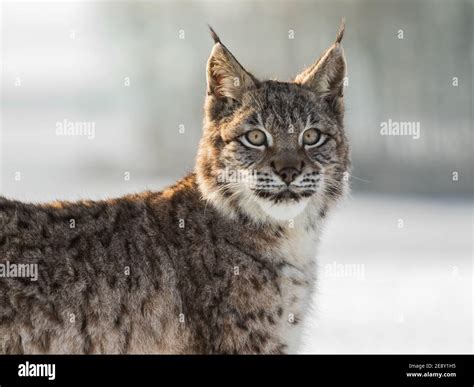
(222, 262)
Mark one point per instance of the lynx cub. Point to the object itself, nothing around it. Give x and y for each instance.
(221, 262)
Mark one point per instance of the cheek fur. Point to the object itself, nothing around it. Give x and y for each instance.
(323, 155)
(237, 155)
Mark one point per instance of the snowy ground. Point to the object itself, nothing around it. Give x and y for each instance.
(382, 288)
(385, 289)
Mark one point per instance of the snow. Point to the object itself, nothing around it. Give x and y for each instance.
(411, 289)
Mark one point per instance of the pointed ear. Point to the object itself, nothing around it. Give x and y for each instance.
(225, 75)
(326, 75)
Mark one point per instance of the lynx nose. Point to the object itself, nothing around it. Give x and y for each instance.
(288, 174)
(287, 168)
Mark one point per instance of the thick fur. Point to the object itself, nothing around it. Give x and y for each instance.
(211, 264)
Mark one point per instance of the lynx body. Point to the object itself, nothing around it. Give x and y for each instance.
(221, 262)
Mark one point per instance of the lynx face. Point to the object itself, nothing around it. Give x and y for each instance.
(279, 145)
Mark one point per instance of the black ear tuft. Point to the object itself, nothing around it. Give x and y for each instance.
(214, 35)
(340, 33)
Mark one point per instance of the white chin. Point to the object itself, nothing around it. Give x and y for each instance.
(284, 210)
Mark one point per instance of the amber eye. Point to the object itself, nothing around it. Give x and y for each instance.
(311, 137)
(256, 137)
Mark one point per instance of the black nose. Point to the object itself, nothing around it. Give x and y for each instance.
(288, 174)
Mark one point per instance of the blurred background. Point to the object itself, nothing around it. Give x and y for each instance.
(99, 99)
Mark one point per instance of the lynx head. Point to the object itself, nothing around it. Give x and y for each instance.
(270, 149)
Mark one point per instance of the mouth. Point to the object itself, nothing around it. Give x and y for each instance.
(283, 205)
(284, 196)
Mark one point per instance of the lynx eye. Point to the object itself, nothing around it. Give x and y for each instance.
(255, 138)
(312, 137)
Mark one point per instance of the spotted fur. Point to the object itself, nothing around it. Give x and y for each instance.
(210, 265)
